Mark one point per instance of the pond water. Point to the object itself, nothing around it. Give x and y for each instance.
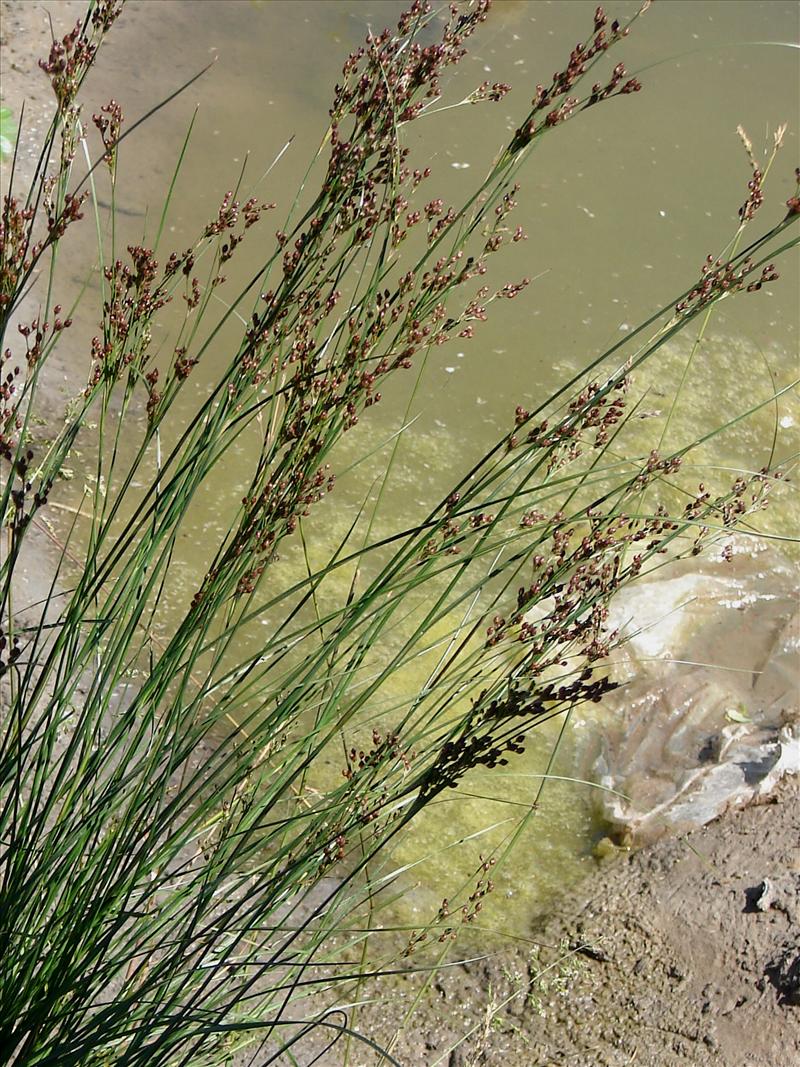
(620, 210)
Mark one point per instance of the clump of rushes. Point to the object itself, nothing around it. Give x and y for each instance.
(157, 908)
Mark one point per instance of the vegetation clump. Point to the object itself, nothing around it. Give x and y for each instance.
(181, 874)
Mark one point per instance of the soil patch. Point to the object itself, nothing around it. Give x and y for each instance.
(685, 953)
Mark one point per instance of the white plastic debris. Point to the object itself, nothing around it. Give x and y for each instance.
(708, 713)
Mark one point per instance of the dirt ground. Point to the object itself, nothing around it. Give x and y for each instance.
(685, 953)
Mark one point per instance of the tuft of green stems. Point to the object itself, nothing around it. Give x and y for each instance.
(182, 874)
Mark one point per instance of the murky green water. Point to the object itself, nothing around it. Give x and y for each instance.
(621, 209)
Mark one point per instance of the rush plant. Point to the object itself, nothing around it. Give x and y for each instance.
(180, 874)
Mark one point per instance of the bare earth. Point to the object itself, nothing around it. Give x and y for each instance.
(672, 962)
(685, 953)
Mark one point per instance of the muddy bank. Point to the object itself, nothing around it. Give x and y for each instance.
(685, 953)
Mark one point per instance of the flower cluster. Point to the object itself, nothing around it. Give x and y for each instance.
(384, 748)
(109, 123)
(719, 278)
(16, 249)
(489, 91)
(554, 104)
(467, 913)
(71, 57)
(10, 651)
(134, 297)
(493, 727)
